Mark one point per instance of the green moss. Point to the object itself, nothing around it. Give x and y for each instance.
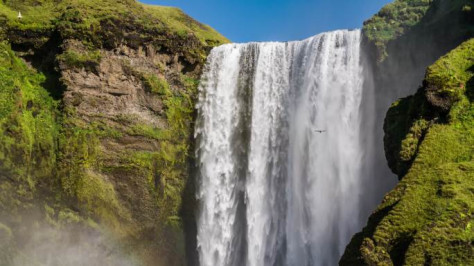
(105, 131)
(406, 124)
(436, 203)
(78, 154)
(97, 171)
(412, 140)
(135, 162)
(148, 131)
(67, 216)
(37, 15)
(167, 168)
(98, 197)
(467, 8)
(86, 59)
(28, 127)
(155, 84)
(79, 172)
(174, 152)
(448, 78)
(427, 219)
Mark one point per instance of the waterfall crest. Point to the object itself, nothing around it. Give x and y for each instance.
(272, 189)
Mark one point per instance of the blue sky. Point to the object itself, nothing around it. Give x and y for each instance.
(276, 20)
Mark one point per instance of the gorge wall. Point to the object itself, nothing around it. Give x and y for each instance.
(96, 118)
(427, 137)
(96, 135)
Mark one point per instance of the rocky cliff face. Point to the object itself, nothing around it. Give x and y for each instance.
(426, 219)
(96, 122)
(96, 112)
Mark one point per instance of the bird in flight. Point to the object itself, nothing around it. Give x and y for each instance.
(320, 131)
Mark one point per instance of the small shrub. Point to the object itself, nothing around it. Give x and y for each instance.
(88, 60)
(155, 84)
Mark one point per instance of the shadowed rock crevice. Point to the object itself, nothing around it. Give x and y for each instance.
(400, 247)
(43, 59)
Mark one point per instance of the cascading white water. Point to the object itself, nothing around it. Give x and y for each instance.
(272, 189)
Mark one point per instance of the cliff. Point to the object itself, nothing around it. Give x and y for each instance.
(97, 104)
(428, 137)
(96, 119)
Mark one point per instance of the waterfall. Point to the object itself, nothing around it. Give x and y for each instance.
(272, 188)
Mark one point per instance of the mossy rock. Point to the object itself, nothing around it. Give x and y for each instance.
(102, 24)
(427, 219)
(118, 175)
(430, 19)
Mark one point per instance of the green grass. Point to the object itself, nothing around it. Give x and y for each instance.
(182, 24)
(27, 121)
(35, 16)
(88, 21)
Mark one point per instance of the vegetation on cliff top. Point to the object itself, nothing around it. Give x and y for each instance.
(183, 24)
(428, 218)
(87, 17)
(403, 16)
(393, 19)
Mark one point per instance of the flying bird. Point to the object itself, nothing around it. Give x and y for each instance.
(320, 131)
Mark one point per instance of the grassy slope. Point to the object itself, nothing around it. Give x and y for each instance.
(427, 219)
(181, 23)
(44, 15)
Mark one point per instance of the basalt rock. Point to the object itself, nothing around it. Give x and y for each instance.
(96, 122)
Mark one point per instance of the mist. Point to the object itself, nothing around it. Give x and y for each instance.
(41, 244)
